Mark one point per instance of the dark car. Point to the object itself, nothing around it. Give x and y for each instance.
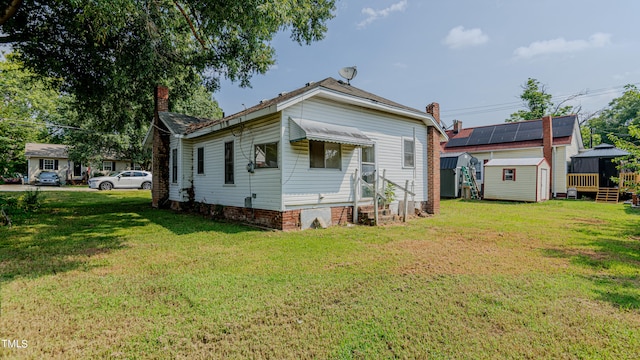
(48, 178)
(11, 179)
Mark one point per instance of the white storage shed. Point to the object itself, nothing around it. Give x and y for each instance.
(522, 179)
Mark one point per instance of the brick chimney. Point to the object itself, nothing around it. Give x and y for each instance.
(432, 205)
(457, 126)
(160, 150)
(434, 110)
(547, 146)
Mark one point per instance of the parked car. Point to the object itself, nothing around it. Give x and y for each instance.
(15, 178)
(48, 178)
(128, 179)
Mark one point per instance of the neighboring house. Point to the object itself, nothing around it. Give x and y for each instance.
(293, 160)
(54, 157)
(556, 140)
(523, 179)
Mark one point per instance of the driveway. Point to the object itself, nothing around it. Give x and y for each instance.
(44, 188)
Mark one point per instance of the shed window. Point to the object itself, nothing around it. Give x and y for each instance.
(508, 174)
(409, 153)
(266, 155)
(174, 165)
(48, 164)
(200, 159)
(324, 155)
(228, 163)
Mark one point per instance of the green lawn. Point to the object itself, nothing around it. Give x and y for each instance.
(102, 275)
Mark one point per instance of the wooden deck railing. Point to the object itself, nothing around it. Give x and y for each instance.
(590, 182)
(583, 182)
(627, 179)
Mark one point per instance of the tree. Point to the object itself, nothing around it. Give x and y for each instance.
(538, 103)
(27, 105)
(618, 117)
(632, 161)
(109, 54)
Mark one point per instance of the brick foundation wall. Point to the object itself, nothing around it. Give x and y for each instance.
(287, 220)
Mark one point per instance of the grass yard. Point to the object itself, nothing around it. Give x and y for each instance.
(102, 275)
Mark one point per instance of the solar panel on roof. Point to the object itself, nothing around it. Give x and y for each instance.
(529, 130)
(457, 142)
(481, 136)
(563, 127)
(504, 133)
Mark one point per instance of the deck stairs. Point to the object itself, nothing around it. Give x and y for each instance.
(608, 195)
(469, 181)
(366, 216)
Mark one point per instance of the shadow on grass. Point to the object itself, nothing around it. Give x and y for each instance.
(71, 228)
(612, 248)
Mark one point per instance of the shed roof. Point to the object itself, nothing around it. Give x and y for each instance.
(515, 162)
(602, 151)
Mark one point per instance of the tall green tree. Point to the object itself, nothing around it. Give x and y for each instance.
(27, 106)
(621, 113)
(109, 54)
(537, 103)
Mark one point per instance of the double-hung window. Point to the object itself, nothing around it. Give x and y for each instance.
(324, 155)
(200, 160)
(409, 153)
(174, 165)
(228, 163)
(266, 155)
(508, 174)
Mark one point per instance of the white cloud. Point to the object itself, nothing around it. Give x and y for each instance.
(458, 37)
(373, 15)
(560, 45)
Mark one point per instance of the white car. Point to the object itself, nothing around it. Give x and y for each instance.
(128, 179)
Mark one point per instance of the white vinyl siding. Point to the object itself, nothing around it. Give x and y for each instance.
(303, 186)
(210, 188)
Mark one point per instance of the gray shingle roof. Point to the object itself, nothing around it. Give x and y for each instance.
(178, 123)
(328, 83)
(602, 151)
(45, 150)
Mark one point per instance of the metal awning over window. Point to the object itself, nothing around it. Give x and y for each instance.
(301, 129)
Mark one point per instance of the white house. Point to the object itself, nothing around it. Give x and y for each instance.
(556, 139)
(522, 179)
(55, 158)
(294, 159)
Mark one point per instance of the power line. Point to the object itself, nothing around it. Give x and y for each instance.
(483, 109)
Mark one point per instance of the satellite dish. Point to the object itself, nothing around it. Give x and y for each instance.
(348, 73)
(474, 161)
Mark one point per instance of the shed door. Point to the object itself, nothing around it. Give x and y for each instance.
(544, 186)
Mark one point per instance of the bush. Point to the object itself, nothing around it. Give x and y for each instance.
(27, 203)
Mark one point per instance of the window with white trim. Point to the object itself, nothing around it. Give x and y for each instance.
(108, 166)
(48, 164)
(174, 166)
(408, 153)
(324, 155)
(200, 160)
(228, 163)
(266, 155)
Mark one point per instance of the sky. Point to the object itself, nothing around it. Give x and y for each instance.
(470, 56)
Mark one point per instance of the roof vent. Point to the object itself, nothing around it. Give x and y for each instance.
(282, 93)
(309, 83)
(263, 101)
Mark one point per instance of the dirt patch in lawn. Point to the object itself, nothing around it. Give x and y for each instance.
(483, 253)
